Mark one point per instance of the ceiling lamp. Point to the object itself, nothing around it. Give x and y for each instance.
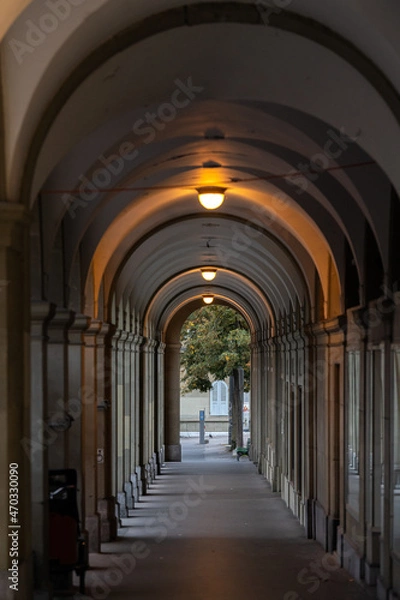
(208, 298)
(211, 197)
(208, 274)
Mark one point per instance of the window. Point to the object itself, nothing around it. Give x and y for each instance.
(219, 399)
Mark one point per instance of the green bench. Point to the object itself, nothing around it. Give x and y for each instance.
(240, 451)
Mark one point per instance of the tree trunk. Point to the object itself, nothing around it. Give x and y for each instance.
(236, 389)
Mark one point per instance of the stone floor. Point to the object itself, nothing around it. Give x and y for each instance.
(211, 529)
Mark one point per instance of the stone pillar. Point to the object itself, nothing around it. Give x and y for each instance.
(264, 395)
(173, 450)
(119, 424)
(89, 436)
(145, 416)
(114, 418)
(37, 450)
(159, 434)
(74, 406)
(387, 564)
(14, 392)
(127, 422)
(136, 425)
(151, 378)
(57, 384)
(106, 501)
(256, 412)
(335, 329)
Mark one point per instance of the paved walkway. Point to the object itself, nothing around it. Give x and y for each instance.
(211, 529)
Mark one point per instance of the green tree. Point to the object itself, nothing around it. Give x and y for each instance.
(215, 341)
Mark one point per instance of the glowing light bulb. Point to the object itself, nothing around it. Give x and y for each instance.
(208, 274)
(211, 197)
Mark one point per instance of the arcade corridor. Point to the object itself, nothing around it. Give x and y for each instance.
(120, 121)
(217, 522)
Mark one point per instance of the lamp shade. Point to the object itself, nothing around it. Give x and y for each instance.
(208, 274)
(211, 197)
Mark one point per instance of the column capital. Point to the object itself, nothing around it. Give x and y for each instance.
(41, 314)
(59, 324)
(105, 330)
(90, 334)
(174, 346)
(136, 342)
(122, 338)
(161, 347)
(148, 344)
(115, 338)
(79, 325)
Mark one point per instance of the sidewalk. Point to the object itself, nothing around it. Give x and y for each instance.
(211, 529)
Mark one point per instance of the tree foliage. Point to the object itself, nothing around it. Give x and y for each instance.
(215, 340)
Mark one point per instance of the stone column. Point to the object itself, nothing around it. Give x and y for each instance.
(14, 392)
(119, 425)
(264, 399)
(136, 411)
(173, 450)
(74, 406)
(256, 413)
(127, 422)
(89, 436)
(114, 420)
(387, 563)
(57, 382)
(106, 500)
(145, 411)
(37, 450)
(152, 377)
(335, 328)
(159, 434)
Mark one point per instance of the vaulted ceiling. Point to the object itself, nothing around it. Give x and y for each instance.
(115, 112)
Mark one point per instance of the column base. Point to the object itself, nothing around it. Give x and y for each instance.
(309, 524)
(159, 460)
(153, 467)
(350, 559)
(108, 521)
(145, 478)
(371, 573)
(332, 533)
(121, 508)
(373, 556)
(321, 525)
(92, 526)
(135, 487)
(382, 593)
(173, 453)
(128, 489)
(139, 481)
